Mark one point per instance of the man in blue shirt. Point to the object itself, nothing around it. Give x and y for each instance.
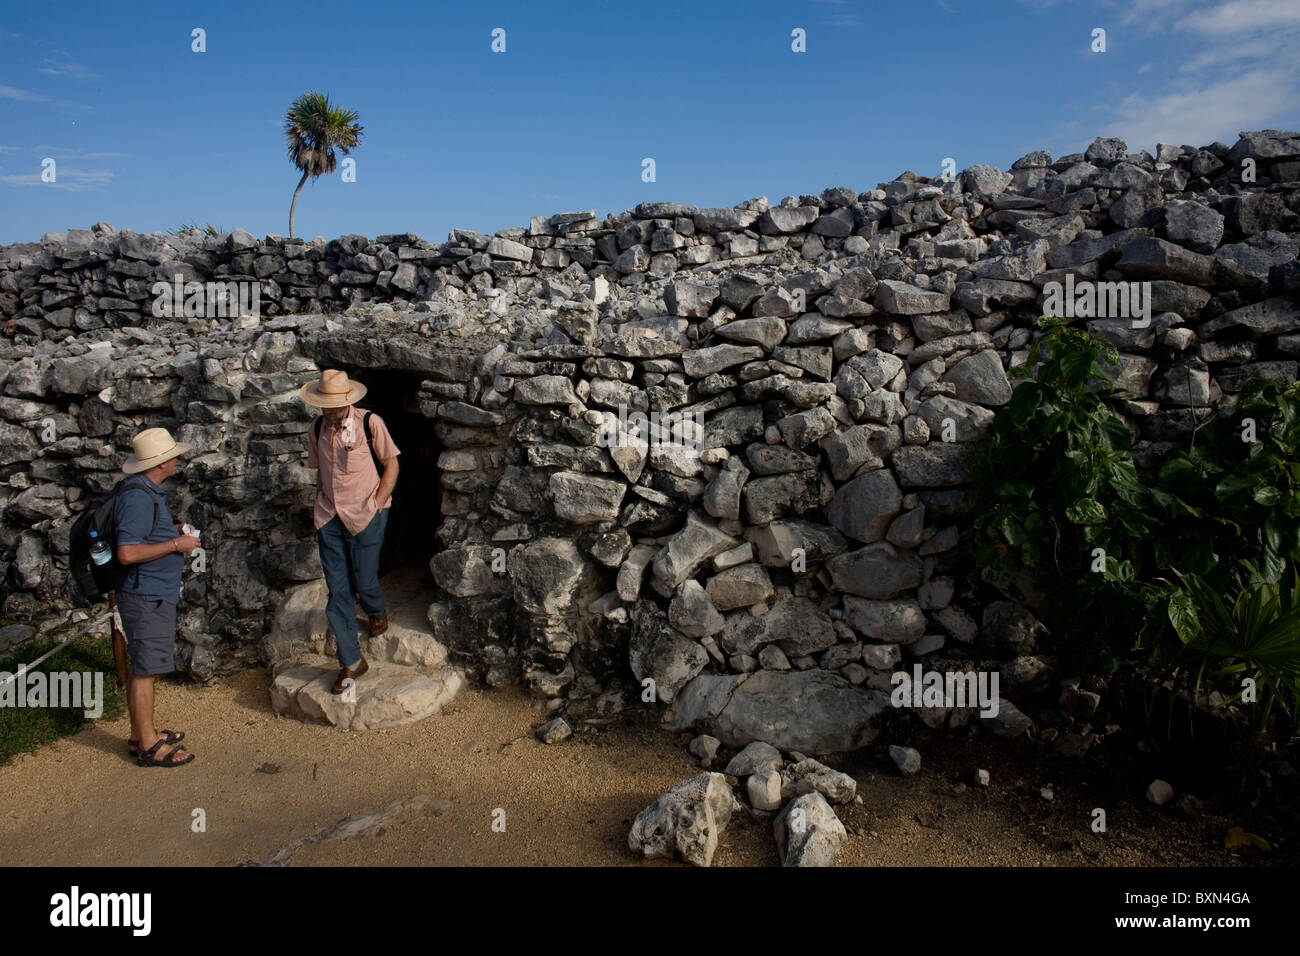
(153, 547)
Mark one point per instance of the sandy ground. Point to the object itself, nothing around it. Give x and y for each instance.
(275, 789)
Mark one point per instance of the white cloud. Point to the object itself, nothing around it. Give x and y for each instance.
(1151, 13)
(1238, 15)
(1233, 52)
(69, 179)
(1236, 70)
(71, 152)
(14, 93)
(845, 17)
(74, 70)
(1215, 112)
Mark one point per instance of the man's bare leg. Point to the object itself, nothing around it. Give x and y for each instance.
(139, 701)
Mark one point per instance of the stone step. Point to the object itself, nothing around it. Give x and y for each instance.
(407, 646)
(387, 695)
(300, 627)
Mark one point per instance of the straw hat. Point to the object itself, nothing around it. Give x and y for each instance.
(334, 390)
(153, 446)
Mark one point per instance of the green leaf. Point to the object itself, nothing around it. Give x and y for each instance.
(1267, 495)
(1234, 485)
(1161, 498)
(1096, 535)
(1178, 508)
(1076, 366)
(1016, 492)
(1115, 432)
(1025, 400)
(1177, 473)
(1135, 525)
(1086, 511)
(1198, 557)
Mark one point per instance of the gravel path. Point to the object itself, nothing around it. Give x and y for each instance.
(277, 789)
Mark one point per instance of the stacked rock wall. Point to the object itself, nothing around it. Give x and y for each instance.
(838, 353)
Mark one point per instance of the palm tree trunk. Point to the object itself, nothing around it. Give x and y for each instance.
(294, 204)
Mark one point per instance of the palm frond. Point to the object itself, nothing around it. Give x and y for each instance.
(314, 128)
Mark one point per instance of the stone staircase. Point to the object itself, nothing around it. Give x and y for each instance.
(409, 677)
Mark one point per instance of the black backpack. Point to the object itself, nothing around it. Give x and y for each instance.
(95, 581)
(365, 427)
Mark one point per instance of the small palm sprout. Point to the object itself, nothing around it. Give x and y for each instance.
(315, 128)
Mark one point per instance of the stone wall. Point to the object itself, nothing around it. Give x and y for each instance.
(843, 351)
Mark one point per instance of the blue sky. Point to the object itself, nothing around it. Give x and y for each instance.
(148, 134)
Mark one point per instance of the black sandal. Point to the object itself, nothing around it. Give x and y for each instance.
(169, 760)
(172, 736)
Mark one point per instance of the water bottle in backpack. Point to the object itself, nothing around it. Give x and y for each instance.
(100, 552)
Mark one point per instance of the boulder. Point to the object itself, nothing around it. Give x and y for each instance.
(584, 499)
(686, 822)
(864, 507)
(812, 711)
(658, 651)
(808, 833)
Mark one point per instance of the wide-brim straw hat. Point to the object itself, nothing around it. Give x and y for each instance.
(334, 390)
(153, 446)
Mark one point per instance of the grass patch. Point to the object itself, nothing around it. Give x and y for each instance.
(25, 729)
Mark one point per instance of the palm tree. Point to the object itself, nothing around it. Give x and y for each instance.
(315, 128)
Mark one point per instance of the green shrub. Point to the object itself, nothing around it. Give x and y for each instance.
(1054, 481)
(1257, 632)
(1129, 566)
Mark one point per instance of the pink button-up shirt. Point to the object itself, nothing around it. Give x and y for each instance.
(348, 478)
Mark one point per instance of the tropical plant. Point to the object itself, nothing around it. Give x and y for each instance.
(1257, 633)
(315, 128)
(1056, 487)
(1133, 566)
(1236, 494)
(208, 230)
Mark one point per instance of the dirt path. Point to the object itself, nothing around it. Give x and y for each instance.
(266, 782)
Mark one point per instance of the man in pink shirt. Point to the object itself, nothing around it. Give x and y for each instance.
(351, 514)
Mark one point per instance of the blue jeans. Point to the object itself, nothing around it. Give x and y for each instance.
(351, 564)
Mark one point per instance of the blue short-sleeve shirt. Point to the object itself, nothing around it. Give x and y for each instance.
(159, 579)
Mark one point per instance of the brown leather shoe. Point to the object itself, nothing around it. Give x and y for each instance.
(347, 672)
(379, 624)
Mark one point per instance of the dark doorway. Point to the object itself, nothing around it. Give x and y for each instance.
(417, 508)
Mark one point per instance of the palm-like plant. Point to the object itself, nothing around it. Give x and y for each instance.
(315, 128)
(1258, 633)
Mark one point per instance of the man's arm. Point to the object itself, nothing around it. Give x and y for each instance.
(386, 481)
(140, 553)
(135, 516)
(386, 451)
